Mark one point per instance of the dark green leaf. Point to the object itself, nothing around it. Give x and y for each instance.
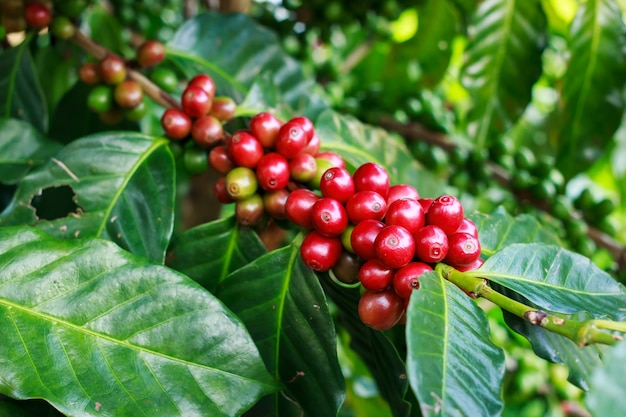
(122, 183)
(21, 94)
(606, 394)
(556, 279)
(97, 331)
(208, 253)
(506, 39)
(453, 366)
(22, 148)
(56, 72)
(283, 306)
(359, 143)
(105, 29)
(593, 84)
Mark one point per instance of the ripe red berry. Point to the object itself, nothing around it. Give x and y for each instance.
(219, 190)
(375, 276)
(474, 265)
(176, 124)
(272, 171)
(219, 159)
(406, 213)
(431, 244)
(89, 73)
(290, 140)
(112, 69)
(463, 249)
(150, 53)
(265, 126)
(329, 217)
(223, 108)
(207, 131)
(302, 167)
(363, 237)
(406, 279)
(366, 205)
(446, 212)
(426, 203)
(337, 183)
(394, 246)
(196, 102)
(313, 146)
(334, 158)
(468, 226)
(371, 177)
(275, 202)
(306, 124)
(245, 150)
(380, 310)
(298, 207)
(241, 183)
(205, 82)
(347, 268)
(128, 94)
(400, 191)
(37, 15)
(249, 211)
(320, 253)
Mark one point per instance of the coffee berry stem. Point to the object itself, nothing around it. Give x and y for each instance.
(582, 333)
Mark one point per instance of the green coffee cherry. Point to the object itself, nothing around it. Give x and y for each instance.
(241, 183)
(100, 99)
(195, 160)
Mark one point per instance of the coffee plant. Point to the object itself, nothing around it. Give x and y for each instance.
(296, 208)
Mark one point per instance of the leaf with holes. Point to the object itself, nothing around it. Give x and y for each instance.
(449, 350)
(118, 186)
(97, 331)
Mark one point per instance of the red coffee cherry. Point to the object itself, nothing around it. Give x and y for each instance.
(371, 177)
(250, 210)
(334, 158)
(468, 226)
(275, 202)
(363, 237)
(89, 73)
(112, 69)
(426, 203)
(380, 310)
(196, 102)
(220, 161)
(313, 146)
(320, 253)
(207, 131)
(128, 94)
(223, 108)
(401, 191)
(306, 125)
(375, 276)
(245, 150)
(337, 183)
(446, 212)
(329, 217)
(205, 82)
(347, 268)
(474, 265)
(219, 190)
(394, 246)
(406, 279)
(302, 167)
(176, 124)
(272, 171)
(241, 183)
(366, 205)
(150, 53)
(291, 139)
(406, 213)
(431, 244)
(299, 205)
(463, 249)
(37, 15)
(265, 126)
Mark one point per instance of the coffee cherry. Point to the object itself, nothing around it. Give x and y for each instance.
(176, 124)
(446, 212)
(112, 116)
(426, 203)
(205, 82)
(347, 268)
(195, 101)
(272, 171)
(241, 183)
(264, 126)
(345, 238)
(220, 161)
(245, 150)
(299, 205)
(136, 113)
(366, 205)
(334, 158)
(195, 160)
(290, 140)
(474, 265)
(275, 203)
(89, 73)
(249, 211)
(371, 177)
(463, 249)
(150, 53)
(219, 190)
(375, 276)
(62, 28)
(394, 246)
(468, 226)
(100, 99)
(322, 166)
(401, 191)
(207, 131)
(363, 237)
(313, 146)
(329, 217)
(128, 94)
(306, 125)
(337, 183)
(406, 279)
(165, 78)
(406, 213)
(37, 15)
(431, 244)
(302, 167)
(223, 108)
(320, 253)
(112, 69)
(380, 310)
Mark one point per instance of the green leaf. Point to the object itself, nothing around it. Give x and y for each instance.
(359, 143)
(593, 84)
(606, 394)
(22, 148)
(287, 315)
(22, 97)
(556, 279)
(56, 72)
(453, 366)
(235, 50)
(97, 331)
(122, 183)
(209, 252)
(506, 39)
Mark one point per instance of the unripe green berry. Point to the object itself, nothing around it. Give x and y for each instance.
(62, 27)
(165, 78)
(241, 183)
(72, 8)
(322, 166)
(100, 99)
(195, 160)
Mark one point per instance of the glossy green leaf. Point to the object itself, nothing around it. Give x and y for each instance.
(97, 331)
(359, 143)
(21, 96)
(235, 50)
(450, 353)
(56, 72)
(556, 279)
(209, 252)
(122, 183)
(606, 394)
(503, 62)
(593, 84)
(287, 315)
(22, 148)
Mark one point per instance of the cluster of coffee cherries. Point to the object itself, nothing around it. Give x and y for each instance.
(58, 16)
